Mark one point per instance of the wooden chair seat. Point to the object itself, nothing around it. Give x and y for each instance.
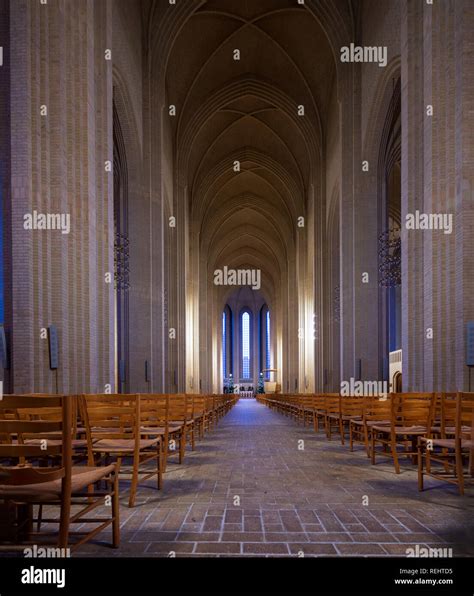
(345, 417)
(449, 443)
(122, 445)
(360, 422)
(153, 430)
(401, 430)
(81, 477)
(451, 430)
(76, 443)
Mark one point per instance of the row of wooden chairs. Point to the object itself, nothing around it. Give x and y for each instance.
(69, 451)
(148, 427)
(427, 428)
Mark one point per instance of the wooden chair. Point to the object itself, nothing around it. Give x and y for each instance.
(113, 428)
(38, 470)
(210, 418)
(351, 410)
(375, 411)
(179, 426)
(452, 452)
(199, 405)
(170, 418)
(410, 418)
(319, 411)
(190, 420)
(155, 422)
(307, 410)
(332, 418)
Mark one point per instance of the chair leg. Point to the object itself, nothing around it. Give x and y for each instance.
(420, 467)
(351, 441)
(413, 450)
(159, 467)
(342, 431)
(182, 445)
(64, 522)
(372, 447)
(366, 440)
(40, 518)
(393, 447)
(133, 488)
(116, 511)
(459, 471)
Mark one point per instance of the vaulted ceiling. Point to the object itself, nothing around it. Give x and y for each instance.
(249, 111)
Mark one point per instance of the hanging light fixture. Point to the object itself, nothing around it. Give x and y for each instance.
(121, 262)
(390, 258)
(337, 304)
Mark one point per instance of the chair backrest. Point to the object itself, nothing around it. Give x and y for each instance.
(319, 402)
(26, 457)
(444, 412)
(199, 404)
(154, 411)
(465, 416)
(413, 409)
(209, 404)
(377, 409)
(111, 417)
(190, 407)
(352, 406)
(40, 412)
(332, 404)
(178, 407)
(306, 401)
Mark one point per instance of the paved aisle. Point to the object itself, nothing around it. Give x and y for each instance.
(262, 485)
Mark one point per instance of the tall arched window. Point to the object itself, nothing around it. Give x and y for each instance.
(265, 340)
(245, 341)
(267, 321)
(224, 359)
(227, 342)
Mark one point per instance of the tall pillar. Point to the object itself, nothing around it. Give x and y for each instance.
(61, 127)
(437, 93)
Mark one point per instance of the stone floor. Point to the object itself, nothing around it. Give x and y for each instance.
(260, 485)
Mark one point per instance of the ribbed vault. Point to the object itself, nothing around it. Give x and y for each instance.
(251, 82)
